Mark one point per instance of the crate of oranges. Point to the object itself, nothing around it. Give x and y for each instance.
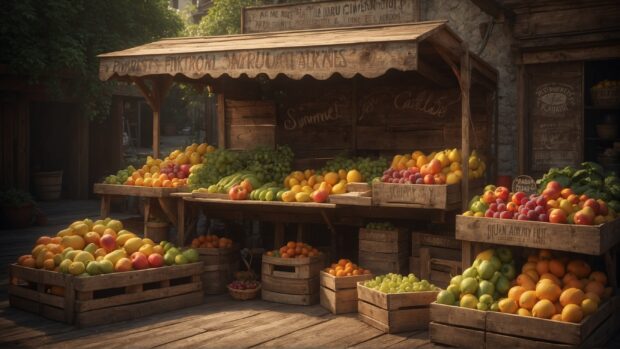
(339, 286)
(290, 274)
(221, 260)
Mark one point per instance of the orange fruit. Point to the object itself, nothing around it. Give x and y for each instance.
(556, 268)
(528, 300)
(139, 182)
(533, 275)
(507, 305)
(21, 259)
(290, 244)
(532, 258)
(515, 292)
(526, 282)
(558, 307)
(56, 240)
(44, 240)
(552, 277)
(593, 296)
(544, 254)
(542, 267)
(343, 262)
(599, 276)
(557, 317)
(356, 272)
(571, 296)
(595, 287)
(578, 267)
(573, 283)
(49, 264)
(543, 309)
(157, 183)
(340, 273)
(28, 262)
(588, 307)
(528, 266)
(572, 313)
(548, 291)
(523, 312)
(568, 276)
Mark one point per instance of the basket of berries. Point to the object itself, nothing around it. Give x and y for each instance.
(245, 286)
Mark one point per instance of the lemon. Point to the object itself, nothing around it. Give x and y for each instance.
(302, 197)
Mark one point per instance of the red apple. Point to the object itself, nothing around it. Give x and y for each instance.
(488, 197)
(551, 193)
(502, 193)
(155, 260)
(518, 197)
(566, 192)
(555, 186)
(603, 210)
(319, 195)
(139, 261)
(582, 218)
(594, 204)
(429, 179)
(238, 192)
(512, 207)
(108, 242)
(557, 215)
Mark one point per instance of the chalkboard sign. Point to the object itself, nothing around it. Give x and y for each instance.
(525, 184)
(555, 109)
(328, 14)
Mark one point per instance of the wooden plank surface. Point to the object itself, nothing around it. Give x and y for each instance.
(415, 195)
(342, 282)
(592, 240)
(394, 301)
(457, 316)
(265, 203)
(460, 337)
(132, 190)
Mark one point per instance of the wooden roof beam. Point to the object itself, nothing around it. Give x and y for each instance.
(493, 9)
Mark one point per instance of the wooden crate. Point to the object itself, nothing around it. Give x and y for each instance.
(470, 328)
(132, 190)
(220, 264)
(591, 240)
(436, 196)
(384, 251)
(393, 313)
(339, 294)
(291, 280)
(358, 194)
(438, 257)
(95, 300)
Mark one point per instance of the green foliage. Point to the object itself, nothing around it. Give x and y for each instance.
(45, 40)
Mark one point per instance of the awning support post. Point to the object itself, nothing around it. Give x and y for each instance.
(155, 97)
(465, 82)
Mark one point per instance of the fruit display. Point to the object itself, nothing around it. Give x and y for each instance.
(344, 267)
(484, 284)
(121, 176)
(443, 167)
(589, 179)
(381, 226)
(225, 184)
(211, 241)
(396, 283)
(244, 284)
(554, 205)
(294, 249)
(368, 168)
(87, 248)
(306, 186)
(554, 288)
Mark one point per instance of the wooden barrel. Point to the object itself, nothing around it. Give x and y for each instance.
(48, 185)
(157, 231)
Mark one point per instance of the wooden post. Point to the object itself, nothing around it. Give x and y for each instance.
(180, 221)
(155, 97)
(521, 118)
(221, 121)
(156, 134)
(465, 82)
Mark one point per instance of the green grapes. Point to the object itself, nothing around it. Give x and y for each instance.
(269, 165)
(369, 168)
(396, 283)
(218, 164)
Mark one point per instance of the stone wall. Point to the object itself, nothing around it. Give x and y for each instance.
(465, 18)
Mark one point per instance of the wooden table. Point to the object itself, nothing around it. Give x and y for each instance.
(155, 197)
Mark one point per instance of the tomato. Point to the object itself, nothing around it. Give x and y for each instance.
(237, 192)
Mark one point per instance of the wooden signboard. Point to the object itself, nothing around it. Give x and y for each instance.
(250, 124)
(328, 14)
(555, 109)
(524, 184)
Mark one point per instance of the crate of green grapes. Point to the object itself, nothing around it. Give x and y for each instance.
(395, 303)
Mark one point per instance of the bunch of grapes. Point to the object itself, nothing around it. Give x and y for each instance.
(371, 168)
(269, 165)
(338, 163)
(396, 283)
(217, 164)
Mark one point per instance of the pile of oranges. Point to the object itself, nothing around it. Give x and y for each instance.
(211, 241)
(294, 249)
(157, 180)
(556, 288)
(345, 267)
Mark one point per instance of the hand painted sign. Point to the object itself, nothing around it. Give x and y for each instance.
(328, 14)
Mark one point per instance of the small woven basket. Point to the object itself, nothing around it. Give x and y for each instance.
(606, 97)
(244, 295)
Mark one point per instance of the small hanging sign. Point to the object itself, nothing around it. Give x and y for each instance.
(525, 184)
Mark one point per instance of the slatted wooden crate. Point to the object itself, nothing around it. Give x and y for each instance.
(469, 328)
(384, 251)
(435, 196)
(339, 294)
(220, 264)
(394, 312)
(358, 194)
(438, 257)
(291, 280)
(93, 300)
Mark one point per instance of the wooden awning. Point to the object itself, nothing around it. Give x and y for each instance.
(368, 51)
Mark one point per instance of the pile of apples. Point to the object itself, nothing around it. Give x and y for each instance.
(443, 167)
(173, 171)
(555, 205)
(294, 249)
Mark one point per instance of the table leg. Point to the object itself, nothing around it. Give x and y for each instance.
(181, 222)
(300, 232)
(278, 238)
(333, 236)
(147, 212)
(105, 206)
(167, 206)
